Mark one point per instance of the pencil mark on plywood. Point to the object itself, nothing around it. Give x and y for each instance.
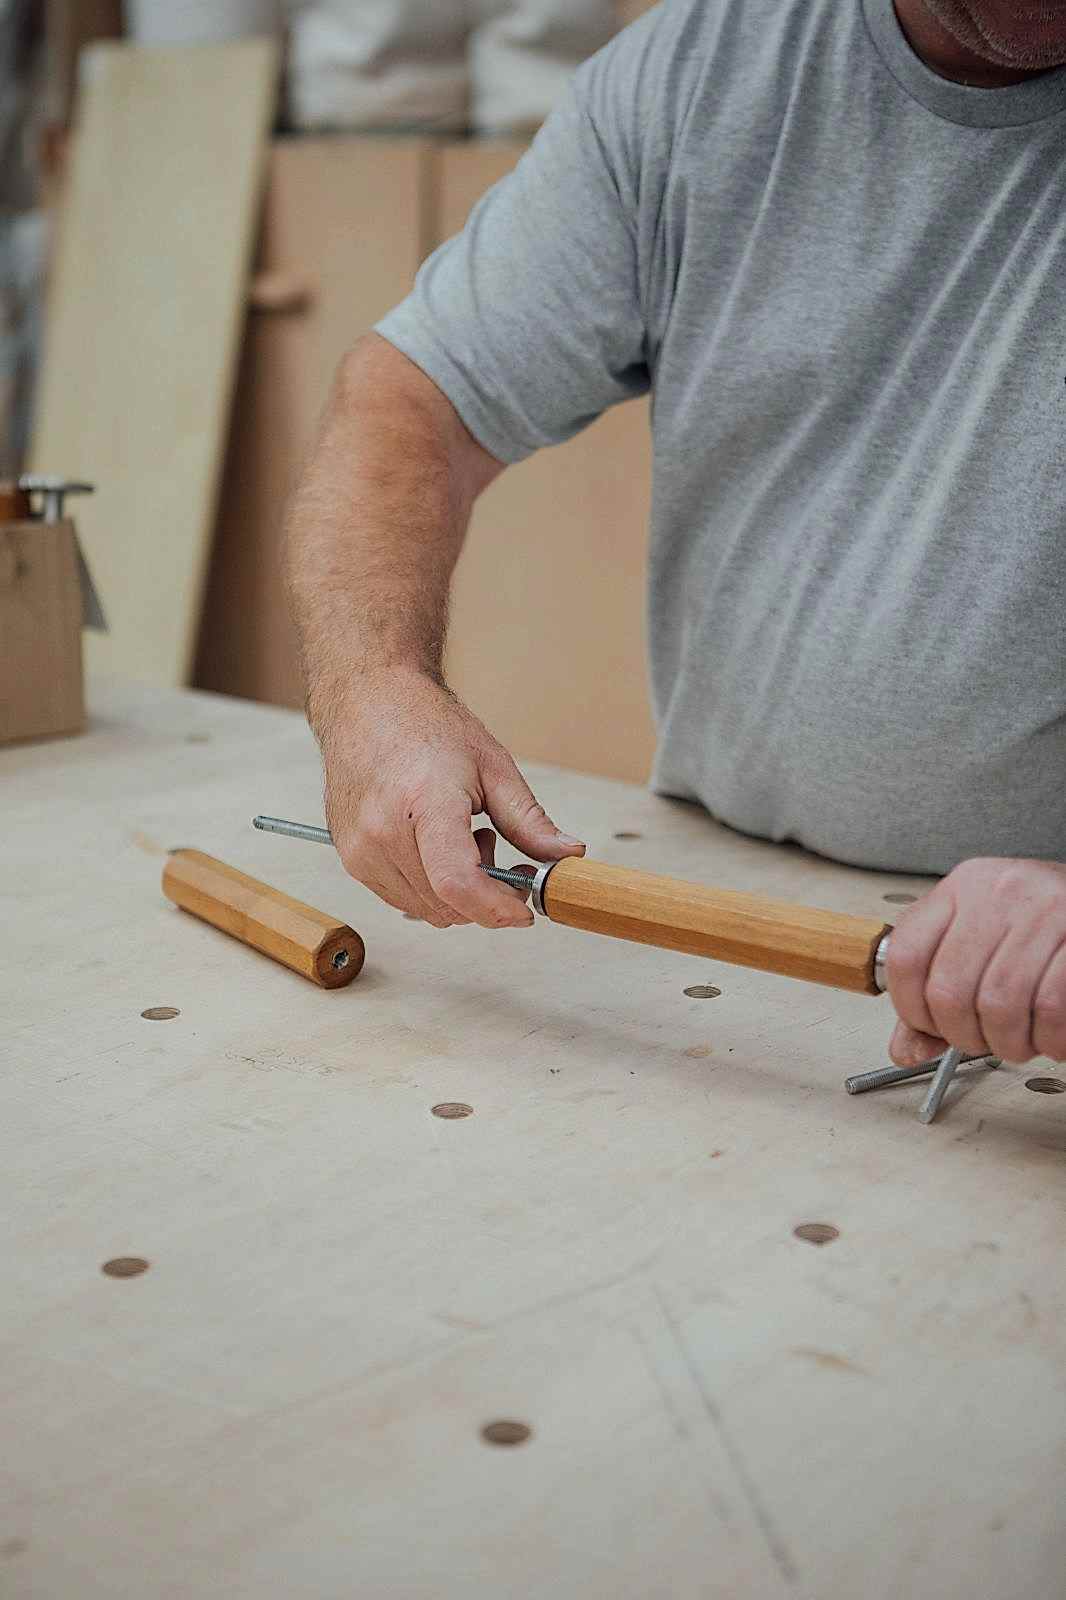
(775, 1543)
(829, 1361)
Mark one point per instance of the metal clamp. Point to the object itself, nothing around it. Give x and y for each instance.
(52, 491)
(541, 878)
(880, 964)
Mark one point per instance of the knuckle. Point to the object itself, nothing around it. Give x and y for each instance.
(449, 884)
(1003, 1008)
(945, 998)
(532, 810)
(1049, 1011)
(1010, 879)
(374, 827)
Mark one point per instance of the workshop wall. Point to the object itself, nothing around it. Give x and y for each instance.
(348, 215)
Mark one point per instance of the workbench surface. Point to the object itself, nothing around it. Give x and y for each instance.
(343, 1289)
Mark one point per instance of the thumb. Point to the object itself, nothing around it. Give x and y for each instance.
(517, 814)
(909, 1048)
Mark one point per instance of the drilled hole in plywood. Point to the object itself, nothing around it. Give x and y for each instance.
(900, 899)
(702, 991)
(817, 1232)
(506, 1433)
(1046, 1085)
(125, 1267)
(452, 1110)
(161, 1013)
(627, 834)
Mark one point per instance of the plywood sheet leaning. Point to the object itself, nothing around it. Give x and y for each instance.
(547, 633)
(144, 316)
(342, 239)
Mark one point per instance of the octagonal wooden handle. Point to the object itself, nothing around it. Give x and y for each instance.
(744, 930)
(306, 941)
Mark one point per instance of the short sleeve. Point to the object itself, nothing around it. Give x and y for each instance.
(530, 320)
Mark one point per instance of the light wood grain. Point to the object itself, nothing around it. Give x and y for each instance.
(547, 631)
(41, 692)
(145, 309)
(745, 930)
(342, 216)
(307, 941)
(343, 1289)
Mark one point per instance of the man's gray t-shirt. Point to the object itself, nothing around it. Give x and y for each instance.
(844, 280)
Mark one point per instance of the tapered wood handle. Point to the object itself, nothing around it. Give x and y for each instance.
(742, 929)
(307, 941)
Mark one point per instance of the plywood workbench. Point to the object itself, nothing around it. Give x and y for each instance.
(344, 1289)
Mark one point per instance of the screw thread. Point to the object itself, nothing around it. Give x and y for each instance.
(885, 1076)
(517, 880)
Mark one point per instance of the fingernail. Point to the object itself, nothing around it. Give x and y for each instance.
(566, 838)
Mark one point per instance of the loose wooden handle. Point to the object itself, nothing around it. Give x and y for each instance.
(742, 929)
(316, 946)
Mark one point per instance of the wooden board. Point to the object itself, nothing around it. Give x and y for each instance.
(344, 1289)
(547, 634)
(144, 314)
(344, 217)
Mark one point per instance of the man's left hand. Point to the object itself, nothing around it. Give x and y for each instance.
(980, 963)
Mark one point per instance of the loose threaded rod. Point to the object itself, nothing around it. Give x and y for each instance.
(885, 1077)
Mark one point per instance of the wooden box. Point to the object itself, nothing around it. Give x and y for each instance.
(41, 692)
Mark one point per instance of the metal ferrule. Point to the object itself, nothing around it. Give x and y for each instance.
(880, 960)
(543, 874)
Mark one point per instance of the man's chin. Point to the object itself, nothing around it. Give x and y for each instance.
(967, 21)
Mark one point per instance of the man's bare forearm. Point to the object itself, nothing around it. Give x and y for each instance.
(374, 533)
(376, 527)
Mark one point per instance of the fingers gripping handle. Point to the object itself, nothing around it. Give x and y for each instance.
(744, 930)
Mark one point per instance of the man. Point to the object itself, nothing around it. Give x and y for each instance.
(830, 236)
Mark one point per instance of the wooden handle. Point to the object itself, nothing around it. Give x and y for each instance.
(742, 929)
(14, 502)
(316, 946)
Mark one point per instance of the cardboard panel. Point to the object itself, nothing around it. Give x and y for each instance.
(547, 635)
(144, 315)
(342, 219)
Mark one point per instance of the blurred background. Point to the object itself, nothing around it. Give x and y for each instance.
(202, 205)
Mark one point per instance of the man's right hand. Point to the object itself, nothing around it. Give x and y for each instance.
(408, 768)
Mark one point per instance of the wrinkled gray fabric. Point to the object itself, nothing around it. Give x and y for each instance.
(844, 280)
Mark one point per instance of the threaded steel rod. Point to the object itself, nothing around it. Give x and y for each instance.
(522, 881)
(885, 1077)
